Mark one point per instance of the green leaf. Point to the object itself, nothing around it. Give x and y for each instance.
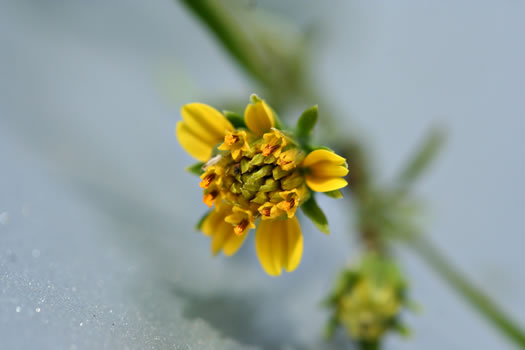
(312, 210)
(236, 119)
(334, 194)
(305, 124)
(196, 169)
(201, 220)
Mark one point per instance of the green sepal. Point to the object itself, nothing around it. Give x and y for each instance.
(312, 210)
(198, 226)
(196, 168)
(236, 119)
(306, 124)
(316, 147)
(334, 194)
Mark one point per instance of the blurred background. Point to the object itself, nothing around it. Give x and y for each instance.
(97, 240)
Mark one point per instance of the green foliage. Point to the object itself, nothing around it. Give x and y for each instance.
(305, 125)
(196, 169)
(236, 119)
(334, 194)
(314, 213)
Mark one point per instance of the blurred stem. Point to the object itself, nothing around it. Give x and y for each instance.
(481, 302)
(423, 157)
(230, 35)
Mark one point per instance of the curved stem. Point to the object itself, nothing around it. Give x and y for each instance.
(481, 302)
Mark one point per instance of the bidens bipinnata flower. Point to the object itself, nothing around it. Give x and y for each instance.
(255, 174)
(367, 300)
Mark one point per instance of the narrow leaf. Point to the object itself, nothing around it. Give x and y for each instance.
(196, 169)
(306, 123)
(334, 194)
(312, 210)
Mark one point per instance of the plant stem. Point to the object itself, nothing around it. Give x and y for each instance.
(481, 302)
(230, 35)
(422, 158)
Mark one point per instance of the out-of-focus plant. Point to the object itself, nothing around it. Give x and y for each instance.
(367, 300)
(279, 65)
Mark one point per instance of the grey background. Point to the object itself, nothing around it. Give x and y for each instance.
(97, 248)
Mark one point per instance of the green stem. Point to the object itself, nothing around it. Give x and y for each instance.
(481, 302)
(422, 158)
(230, 35)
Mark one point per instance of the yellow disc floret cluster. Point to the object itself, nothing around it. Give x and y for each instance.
(256, 173)
(257, 177)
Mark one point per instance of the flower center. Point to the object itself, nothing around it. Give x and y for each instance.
(231, 139)
(252, 180)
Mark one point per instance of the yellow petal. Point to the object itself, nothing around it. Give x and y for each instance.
(233, 242)
(203, 127)
(328, 169)
(279, 243)
(263, 241)
(259, 117)
(294, 244)
(219, 238)
(192, 143)
(206, 121)
(325, 184)
(210, 223)
(320, 155)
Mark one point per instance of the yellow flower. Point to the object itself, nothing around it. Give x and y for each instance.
(325, 170)
(288, 159)
(241, 219)
(236, 142)
(291, 201)
(253, 181)
(221, 232)
(270, 211)
(274, 141)
(209, 196)
(203, 128)
(279, 244)
(258, 116)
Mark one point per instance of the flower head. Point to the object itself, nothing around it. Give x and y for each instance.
(368, 298)
(255, 176)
